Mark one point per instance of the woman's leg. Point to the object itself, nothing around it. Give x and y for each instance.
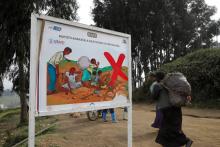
(158, 119)
(170, 133)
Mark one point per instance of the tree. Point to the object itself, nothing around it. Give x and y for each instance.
(15, 38)
(66, 9)
(1, 86)
(161, 30)
(205, 82)
(203, 25)
(121, 15)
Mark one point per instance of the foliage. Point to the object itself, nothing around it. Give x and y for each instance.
(202, 69)
(161, 30)
(13, 139)
(8, 113)
(15, 38)
(66, 9)
(13, 132)
(1, 86)
(142, 94)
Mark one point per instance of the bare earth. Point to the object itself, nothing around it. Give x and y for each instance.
(201, 125)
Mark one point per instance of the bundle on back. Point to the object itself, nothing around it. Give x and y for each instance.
(178, 88)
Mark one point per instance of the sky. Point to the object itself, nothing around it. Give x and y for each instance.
(215, 3)
(84, 11)
(85, 17)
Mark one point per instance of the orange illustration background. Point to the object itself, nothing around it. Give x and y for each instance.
(87, 92)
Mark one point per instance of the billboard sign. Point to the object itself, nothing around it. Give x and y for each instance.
(80, 67)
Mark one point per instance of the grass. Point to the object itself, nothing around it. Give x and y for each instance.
(9, 112)
(210, 104)
(11, 133)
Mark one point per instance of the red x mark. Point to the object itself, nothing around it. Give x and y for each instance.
(116, 67)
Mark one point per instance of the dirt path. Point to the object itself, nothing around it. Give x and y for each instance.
(80, 132)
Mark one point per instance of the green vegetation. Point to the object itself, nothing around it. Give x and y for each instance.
(161, 30)
(17, 28)
(4, 114)
(202, 69)
(63, 62)
(11, 132)
(104, 69)
(142, 94)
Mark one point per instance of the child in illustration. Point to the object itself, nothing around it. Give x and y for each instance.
(96, 78)
(53, 68)
(90, 72)
(96, 81)
(93, 65)
(70, 81)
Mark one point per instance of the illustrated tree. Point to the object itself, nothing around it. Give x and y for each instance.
(15, 38)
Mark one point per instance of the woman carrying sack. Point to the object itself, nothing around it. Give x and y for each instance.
(170, 133)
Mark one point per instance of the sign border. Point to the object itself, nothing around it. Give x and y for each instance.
(33, 85)
(35, 47)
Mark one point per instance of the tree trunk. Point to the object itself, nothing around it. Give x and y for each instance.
(22, 94)
(134, 74)
(1, 86)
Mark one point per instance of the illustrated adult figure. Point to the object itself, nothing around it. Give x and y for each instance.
(170, 133)
(53, 68)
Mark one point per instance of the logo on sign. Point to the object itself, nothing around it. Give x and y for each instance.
(91, 34)
(56, 28)
(124, 41)
(52, 41)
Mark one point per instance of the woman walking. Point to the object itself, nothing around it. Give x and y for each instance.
(170, 133)
(159, 117)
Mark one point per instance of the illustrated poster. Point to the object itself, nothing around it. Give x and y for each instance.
(79, 67)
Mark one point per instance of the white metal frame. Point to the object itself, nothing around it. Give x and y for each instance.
(34, 76)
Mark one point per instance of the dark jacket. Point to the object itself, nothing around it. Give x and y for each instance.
(160, 94)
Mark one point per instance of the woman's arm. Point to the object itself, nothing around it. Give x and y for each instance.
(156, 91)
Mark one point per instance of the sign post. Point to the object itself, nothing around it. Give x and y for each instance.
(77, 68)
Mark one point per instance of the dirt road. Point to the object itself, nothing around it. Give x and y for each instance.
(202, 126)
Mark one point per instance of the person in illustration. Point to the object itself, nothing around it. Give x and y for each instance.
(96, 82)
(53, 68)
(70, 82)
(104, 114)
(96, 79)
(93, 65)
(170, 132)
(89, 73)
(159, 116)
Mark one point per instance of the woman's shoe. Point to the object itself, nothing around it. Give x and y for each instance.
(189, 143)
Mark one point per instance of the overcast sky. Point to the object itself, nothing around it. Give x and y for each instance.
(84, 13)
